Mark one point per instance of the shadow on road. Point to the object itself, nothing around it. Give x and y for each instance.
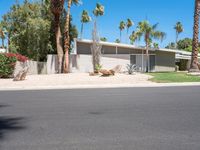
(10, 124)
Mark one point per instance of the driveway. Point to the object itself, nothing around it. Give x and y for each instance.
(164, 118)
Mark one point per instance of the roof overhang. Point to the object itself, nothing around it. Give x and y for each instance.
(180, 54)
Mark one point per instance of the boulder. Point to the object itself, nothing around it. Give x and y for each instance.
(105, 72)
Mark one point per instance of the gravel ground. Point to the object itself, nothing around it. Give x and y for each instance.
(75, 79)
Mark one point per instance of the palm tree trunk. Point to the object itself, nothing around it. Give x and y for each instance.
(59, 44)
(147, 52)
(147, 58)
(194, 59)
(81, 30)
(67, 39)
(120, 36)
(127, 35)
(176, 39)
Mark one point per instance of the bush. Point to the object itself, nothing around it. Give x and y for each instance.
(7, 63)
(131, 68)
(182, 64)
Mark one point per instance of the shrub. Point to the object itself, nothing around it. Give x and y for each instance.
(7, 63)
(98, 68)
(131, 68)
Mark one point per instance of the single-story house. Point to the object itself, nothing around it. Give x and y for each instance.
(160, 60)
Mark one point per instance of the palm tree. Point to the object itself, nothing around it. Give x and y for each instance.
(149, 32)
(179, 29)
(99, 10)
(133, 38)
(103, 39)
(129, 24)
(85, 18)
(67, 34)
(56, 9)
(117, 41)
(194, 59)
(122, 26)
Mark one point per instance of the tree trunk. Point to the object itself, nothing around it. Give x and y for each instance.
(127, 38)
(8, 42)
(59, 43)
(194, 59)
(2, 42)
(81, 30)
(147, 52)
(147, 58)
(176, 40)
(120, 36)
(67, 39)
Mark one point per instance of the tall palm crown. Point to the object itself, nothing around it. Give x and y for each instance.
(129, 24)
(179, 29)
(149, 32)
(194, 61)
(99, 10)
(85, 18)
(122, 26)
(133, 37)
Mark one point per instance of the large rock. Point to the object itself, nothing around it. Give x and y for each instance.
(105, 72)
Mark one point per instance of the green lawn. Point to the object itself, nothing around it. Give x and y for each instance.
(169, 77)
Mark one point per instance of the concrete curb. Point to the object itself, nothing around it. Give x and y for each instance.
(147, 85)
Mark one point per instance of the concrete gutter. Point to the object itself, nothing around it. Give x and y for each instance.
(148, 85)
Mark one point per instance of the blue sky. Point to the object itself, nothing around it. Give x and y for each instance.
(166, 13)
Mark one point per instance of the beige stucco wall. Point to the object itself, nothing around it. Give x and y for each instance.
(165, 61)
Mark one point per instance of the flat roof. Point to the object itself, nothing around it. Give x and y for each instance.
(179, 53)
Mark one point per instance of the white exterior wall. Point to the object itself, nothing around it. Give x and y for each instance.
(84, 62)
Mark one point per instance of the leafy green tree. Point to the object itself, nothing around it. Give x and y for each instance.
(28, 30)
(185, 44)
(85, 18)
(179, 29)
(148, 32)
(122, 26)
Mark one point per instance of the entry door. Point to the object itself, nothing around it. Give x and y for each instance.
(152, 63)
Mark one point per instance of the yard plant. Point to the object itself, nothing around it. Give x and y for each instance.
(7, 63)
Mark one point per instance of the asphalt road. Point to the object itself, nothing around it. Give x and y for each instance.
(101, 119)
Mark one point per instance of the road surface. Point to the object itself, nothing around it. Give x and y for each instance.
(165, 118)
